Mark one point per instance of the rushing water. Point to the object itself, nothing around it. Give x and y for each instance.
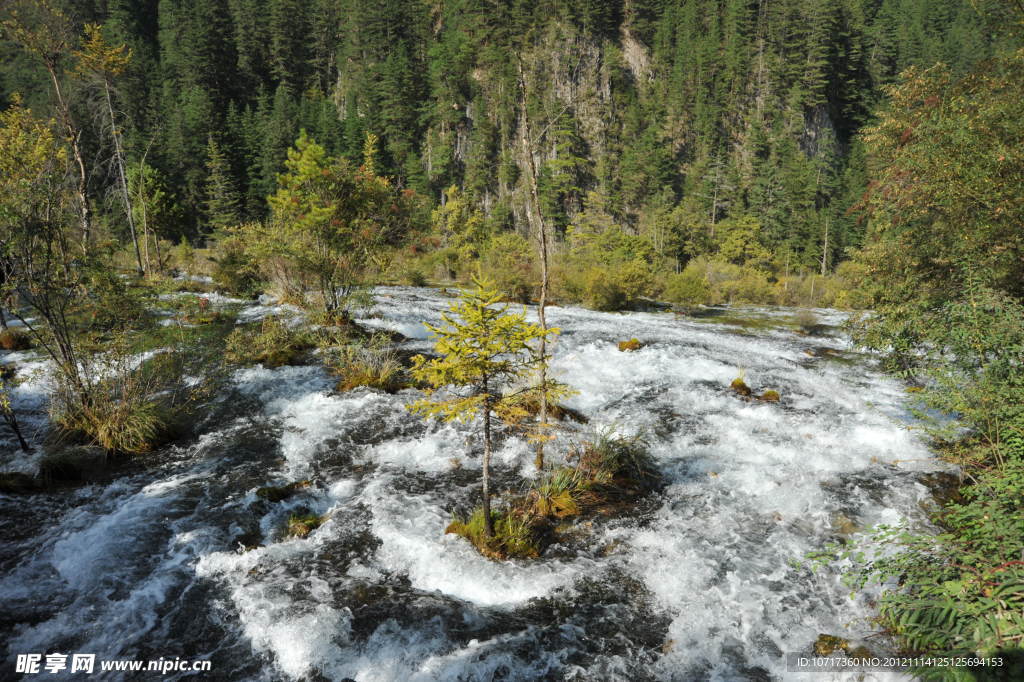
(697, 583)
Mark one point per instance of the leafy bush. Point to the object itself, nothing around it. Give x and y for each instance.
(608, 287)
(960, 593)
(234, 269)
(688, 287)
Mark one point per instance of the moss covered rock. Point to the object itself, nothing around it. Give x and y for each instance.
(826, 645)
(280, 492)
(15, 339)
(740, 387)
(770, 396)
(631, 345)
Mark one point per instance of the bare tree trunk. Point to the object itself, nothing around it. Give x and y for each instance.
(537, 219)
(84, 209)
(119, 156)
(488, 521)
(824, 251)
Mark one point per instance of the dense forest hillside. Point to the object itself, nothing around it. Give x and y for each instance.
(664, 116)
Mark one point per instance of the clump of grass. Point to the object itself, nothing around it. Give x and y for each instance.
(609, 457)
(375, 365)
(301, 525)
(631, 345)
(514, 536)
(739, 384)
(129, 405)
(558, 495)
(116, 424)
(15, 339)
(271, 344)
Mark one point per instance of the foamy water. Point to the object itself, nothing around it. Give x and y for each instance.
(698, 583)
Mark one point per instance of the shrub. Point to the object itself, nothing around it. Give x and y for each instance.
(414, 277)
(752, 286)
(958, 593)
(688, 287)
(15, 339)
(234, 269)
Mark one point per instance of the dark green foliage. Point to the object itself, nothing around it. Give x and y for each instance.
(733, 107)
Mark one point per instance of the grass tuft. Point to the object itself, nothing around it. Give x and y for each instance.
(514, 534)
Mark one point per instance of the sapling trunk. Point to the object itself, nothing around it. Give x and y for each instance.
(119, 157)
(537, 217)
(488, 521)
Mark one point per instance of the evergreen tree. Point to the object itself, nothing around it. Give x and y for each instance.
(222, 202)
(485, 354)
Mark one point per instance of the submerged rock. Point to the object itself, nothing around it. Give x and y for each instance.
(74, 464)
(17, 483)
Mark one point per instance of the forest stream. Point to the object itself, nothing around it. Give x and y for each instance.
(175, 555)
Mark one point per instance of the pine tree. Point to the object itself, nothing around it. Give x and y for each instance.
(222, 201)
(485, 354)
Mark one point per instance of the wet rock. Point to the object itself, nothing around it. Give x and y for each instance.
(17, 483)
(75, 464)
(770, 396)
(944, 486)
(283, 492)
(826, 645)
(631, 345)
(860, 652)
